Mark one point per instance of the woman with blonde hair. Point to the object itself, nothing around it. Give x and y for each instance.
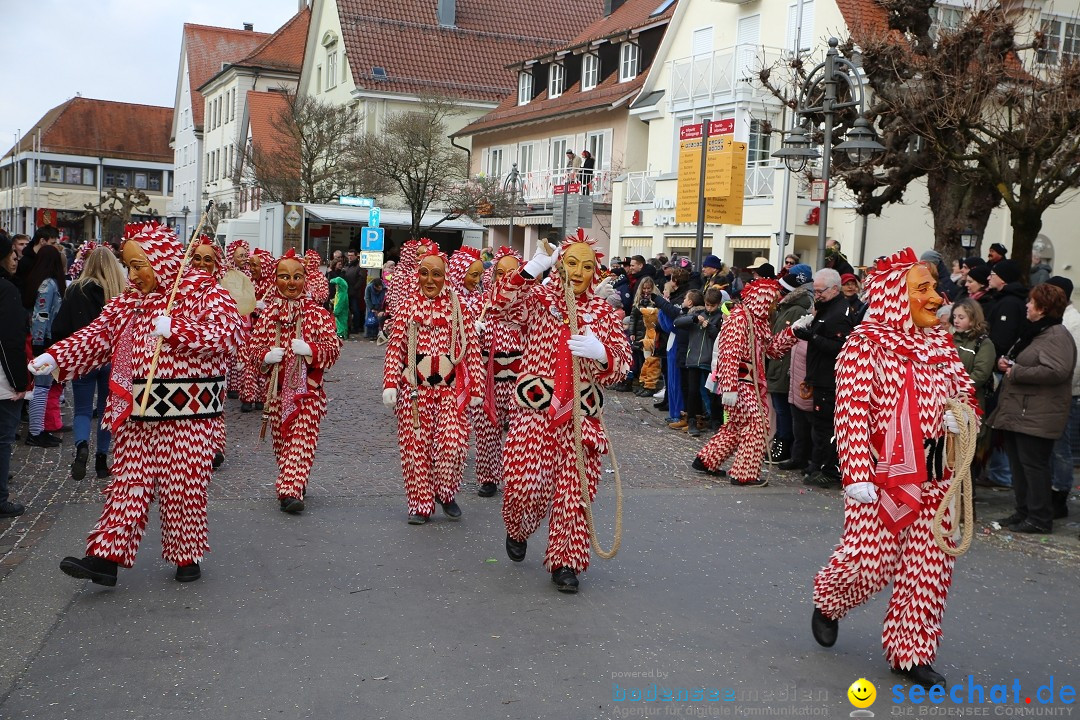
(101, 280)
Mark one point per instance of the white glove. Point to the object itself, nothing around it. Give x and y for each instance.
(43, 364)
(260, 305)
(802, 322)
(476, 402)
(951, 423)
(162, 326)
(274, 356)
(587, 346)
(729, 399)
(479, 325)
(541, 262)
(862, 492)
(301, 348)
(389, 397)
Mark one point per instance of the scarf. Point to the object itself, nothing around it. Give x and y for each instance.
(1028, 332)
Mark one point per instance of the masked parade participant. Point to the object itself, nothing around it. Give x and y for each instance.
(466, 270)
(293, 343)
(318, 287)
(540, 468)
(236, 258)
(207, 257)
(893, 378)
(431, 374)
(261, 265)
(739, 353)
(403, 282)
(168, 450)
(500, 348)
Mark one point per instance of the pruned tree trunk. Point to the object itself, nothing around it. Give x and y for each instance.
(957, 204)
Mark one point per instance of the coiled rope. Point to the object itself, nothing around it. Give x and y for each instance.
(961, 448)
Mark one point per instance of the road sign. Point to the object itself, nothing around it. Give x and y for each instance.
(371, 239)
(293, 218)
(356, 201)
(572, 188)
(373, 217)
(371, 259)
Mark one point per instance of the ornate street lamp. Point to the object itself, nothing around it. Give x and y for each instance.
(969, 238)
(512, 184)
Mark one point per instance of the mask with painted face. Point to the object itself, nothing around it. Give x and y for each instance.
(204, 258)
(578, 265)
(472, 276)
(432, 276)
(140, 272)
(922, 297)
(291, 278)
(505, 265)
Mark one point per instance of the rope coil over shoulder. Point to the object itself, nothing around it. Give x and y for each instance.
(960, 447)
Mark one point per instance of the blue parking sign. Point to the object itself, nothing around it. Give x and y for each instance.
(371, 239)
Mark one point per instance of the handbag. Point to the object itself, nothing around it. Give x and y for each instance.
(372, 320)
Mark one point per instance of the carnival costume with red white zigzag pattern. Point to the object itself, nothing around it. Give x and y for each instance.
(169, 457)
(744, 432)
(538, 457)
(318, 287)
(433, 454)
(235, 376)
(403, 281)
(299, 406)
(892, 382)
(500, 350)
(254, 384)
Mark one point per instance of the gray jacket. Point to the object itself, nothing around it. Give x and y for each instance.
(700, 344)
(792, 307)
(1034, 398)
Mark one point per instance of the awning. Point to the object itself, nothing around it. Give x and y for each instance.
(518, 220)
(392, 218)
(762, 242)
(687, 241)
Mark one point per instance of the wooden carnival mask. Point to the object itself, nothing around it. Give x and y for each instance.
(432, 275)
(579, 266)
(506, 264)
(922, 297)
(291, 278)
(205, 258)
(240, 258)
(472, 275)
(254, 266)
(140, 272)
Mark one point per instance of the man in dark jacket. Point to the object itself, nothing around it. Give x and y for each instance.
(796, 299)
(835, 259)
(825, 334)
(14, 380)
(44, 235)
(1009, 309)
(356, 277)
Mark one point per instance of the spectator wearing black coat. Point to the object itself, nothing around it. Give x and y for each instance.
(14, 378)
(946, 288)
(1008, 309)
(44, 235)
(356, 277)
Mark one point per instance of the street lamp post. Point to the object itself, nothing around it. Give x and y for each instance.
(860, 144)
(185, 211)
(512, 184)
(969, 239)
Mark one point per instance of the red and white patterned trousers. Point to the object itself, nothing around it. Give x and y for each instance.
(541, 478)
(253, 385)
(491, 437)
(171, 459)
(743, 433)
(433, 458)
(295, 450)
(869, 556)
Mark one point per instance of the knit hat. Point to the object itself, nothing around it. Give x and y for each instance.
(1007, 270)
(1062, 282)
(711, 261)
(999, 249)
(980, 273)
(848, 277)
(6, 246)
(931, 256)
(797, 276)
(973, 262)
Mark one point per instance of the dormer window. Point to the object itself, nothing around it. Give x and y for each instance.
(556, 80)
(525, 87)
(590, 71)
(629, 59)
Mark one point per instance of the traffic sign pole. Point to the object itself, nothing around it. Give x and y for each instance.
(699, 240)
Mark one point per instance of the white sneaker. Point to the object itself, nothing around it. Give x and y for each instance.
(660, 394)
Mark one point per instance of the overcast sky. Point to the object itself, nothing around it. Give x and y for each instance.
(125, 50)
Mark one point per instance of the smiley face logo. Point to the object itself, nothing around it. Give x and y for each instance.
(862, 693)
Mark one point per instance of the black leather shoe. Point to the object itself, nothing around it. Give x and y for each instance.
(258, 406)
(923, 675)
(219, 458)
(820, 479)
(700, 467)
(451, 509)
(44, 440)
(793, 464)
(565, 580)
(101, 466)
(246, 407)
(515, 549)
(662, 405)
(82, 454)
(487, 489)
(232, 395)
(1026, 526)
(11, 509)
(1012, 519)
(292, 505)
(94, 569)
(416, 519)
(187, 573)
(824, 629)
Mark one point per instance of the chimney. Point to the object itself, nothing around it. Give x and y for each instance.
(611, 6)
(249, 27)
(447, 12)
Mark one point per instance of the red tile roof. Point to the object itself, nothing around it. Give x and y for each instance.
(264, 109)
(103, 128)
(284, 50)
(468, 61)
(864, 16)
(207, 49)
(632, 15)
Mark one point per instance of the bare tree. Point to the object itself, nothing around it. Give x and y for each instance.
(412, 153)
(305, 157)
(116, 208)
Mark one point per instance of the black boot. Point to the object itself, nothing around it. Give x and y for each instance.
(515, 549)
(487, 489)
(779, 452)
(246, 407)
(187, 573)
(1059, 502)
(565, 580)
(82, 454)
(451, 509)
(793, 464)
(700, 466)
(923, 675)
(417, 519)
(219, 457)
(824, 629)
(101, 467)
(94, 569)
(291, 505)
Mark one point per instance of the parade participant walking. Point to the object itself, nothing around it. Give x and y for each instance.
(165, 450)
(741, 348)
(402, 284)
(237, 256)
(894, 377)
(540, 466)
(293, 343)
(206, 257)
(318, 288)
(261, 265)
(431, 374)
(465, 274)
(500, 348)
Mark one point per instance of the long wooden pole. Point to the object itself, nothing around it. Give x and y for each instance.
(168, 307)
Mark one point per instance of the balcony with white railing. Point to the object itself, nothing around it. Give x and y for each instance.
(721, 76)
(760, 176)
(537, 186)
(641, 186)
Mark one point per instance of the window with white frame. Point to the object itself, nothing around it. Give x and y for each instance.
(590, 71)
(804, 29)
(525, 87)
(1062, 40)
(629, 57)
(758, 147)
(331, 67)
(495, 162)
(556, 79)
(945, 17)
(526, 157)
(558, 154)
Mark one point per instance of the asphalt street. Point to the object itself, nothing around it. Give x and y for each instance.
(348, 612)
